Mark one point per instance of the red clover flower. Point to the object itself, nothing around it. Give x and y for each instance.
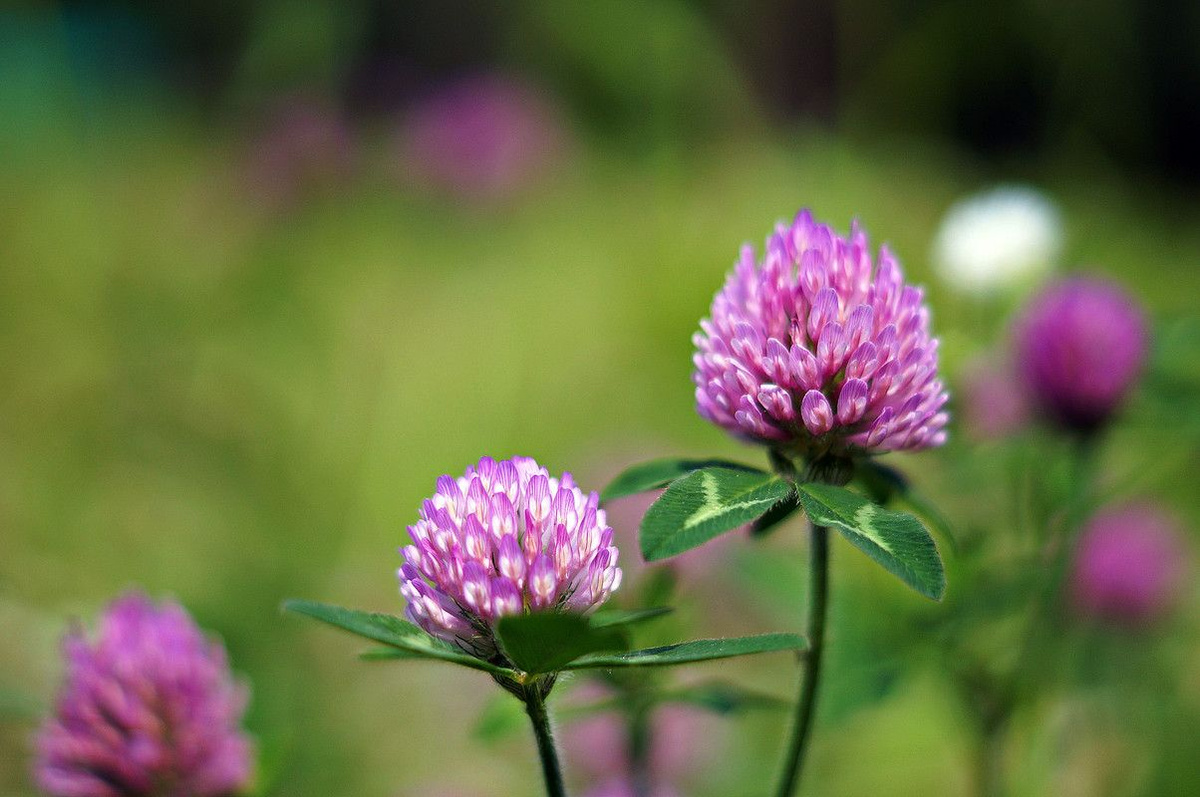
(505, 538)
(817, 350)
(1080, 347)
(147, 710)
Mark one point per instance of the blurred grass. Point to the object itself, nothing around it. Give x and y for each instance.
(234, 405)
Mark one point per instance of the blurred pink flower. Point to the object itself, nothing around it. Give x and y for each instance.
(1129, 565)
(148, 708)
(1080, 347)
(304, 146)
(682, 739)
(481, 137)
(995, 404)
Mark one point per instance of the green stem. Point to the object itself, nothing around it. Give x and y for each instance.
(818, 586)
(1083, 455)
(1040, 627)
(639, 751)
(535, 707)
(989, 763)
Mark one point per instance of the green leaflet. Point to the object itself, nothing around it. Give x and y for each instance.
(659, 473)
(612, 618)
(896, 540)
(693, 651)
(888, 487)
(775, 516)
(401, 636)
(704, 504)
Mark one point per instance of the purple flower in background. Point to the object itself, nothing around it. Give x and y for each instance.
(480, 137)
(995, 402)
(682, 740)
(505, 538)
(149, 708)
(304, 146)
(816, 351)
(1128, 565)
(1080, 347)
(623, 787)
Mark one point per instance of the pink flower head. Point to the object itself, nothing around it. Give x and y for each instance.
(1080, 347)
(682, 740)
(1128, 566)
(480, 137)
(505, 538)
(149, 709)
(305, 147)
(816, 350)
(996, 405)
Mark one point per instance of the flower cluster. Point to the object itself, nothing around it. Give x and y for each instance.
(815, 350)
(1128, 565)
(481, 137)
(505, 538)
(682, 740)
(995, 404)
(306, 147)
(149, 709)
(1080, 347)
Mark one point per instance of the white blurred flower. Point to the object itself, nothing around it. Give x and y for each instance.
(997, 239)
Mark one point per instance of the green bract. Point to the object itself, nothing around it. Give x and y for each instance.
(549, 641)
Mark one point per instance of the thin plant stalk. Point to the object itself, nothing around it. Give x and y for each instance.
(806, 702)
(639, 750)
(989, 755)
(535, 707)
(989, 762)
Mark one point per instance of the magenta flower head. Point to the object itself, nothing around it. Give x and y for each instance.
(817, 350)
(1128, 566)
(149, 708)
(1080, 347)
(682, 741)
(505, 538)
(305, 148)
(481, 137)
(995, 402)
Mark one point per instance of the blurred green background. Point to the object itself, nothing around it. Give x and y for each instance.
(236, 353)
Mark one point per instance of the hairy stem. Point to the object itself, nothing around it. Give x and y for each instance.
(535, 707)
(806, 702)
